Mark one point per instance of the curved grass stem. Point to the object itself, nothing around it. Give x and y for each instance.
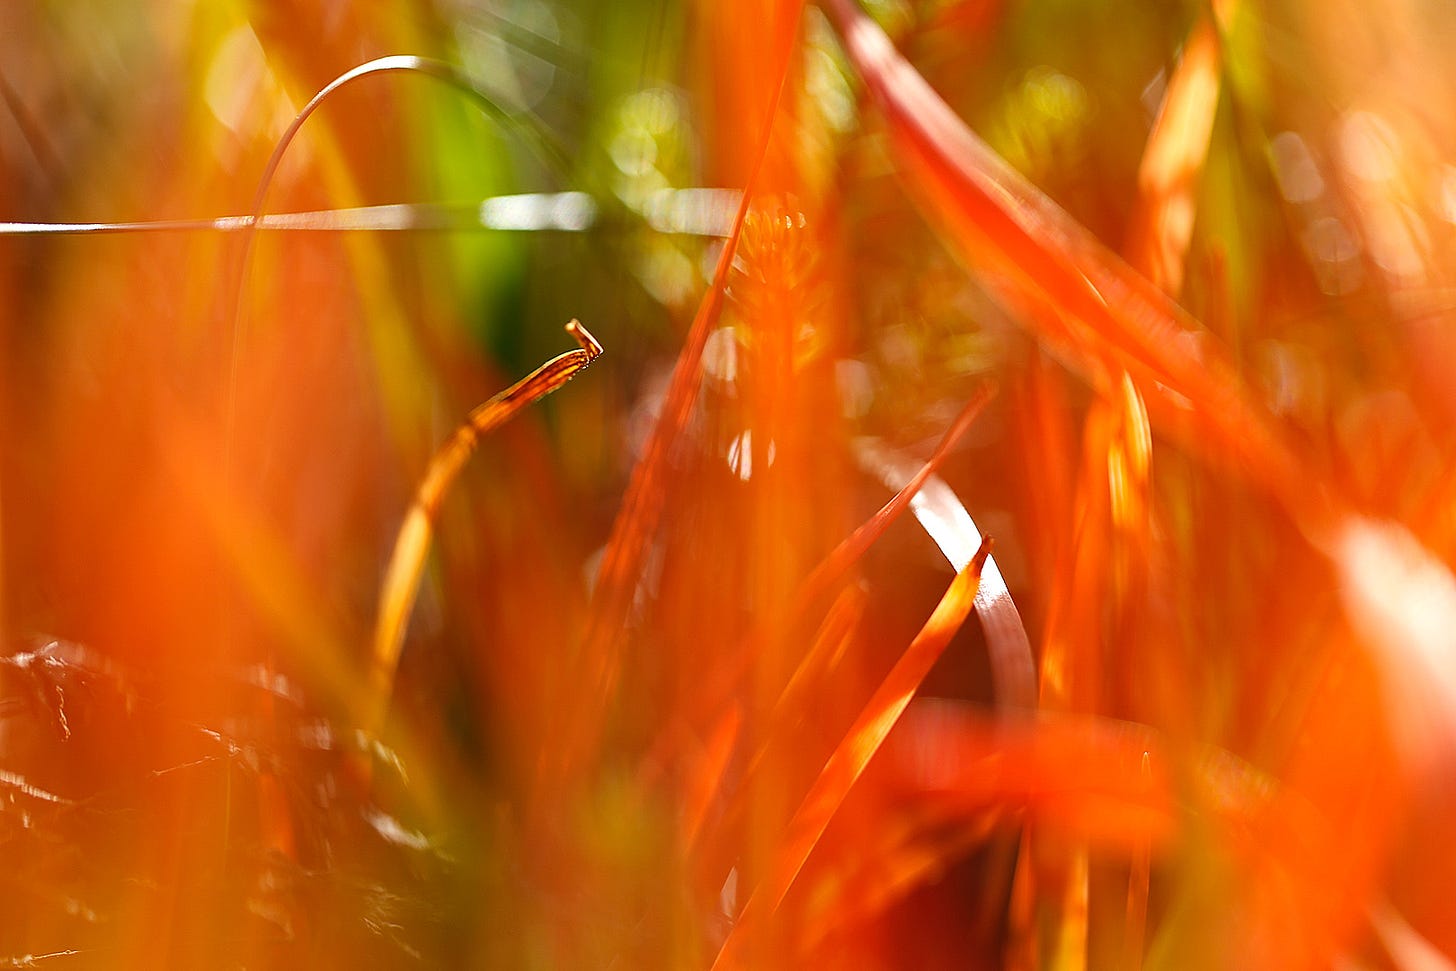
(395, 63)
(401, 584)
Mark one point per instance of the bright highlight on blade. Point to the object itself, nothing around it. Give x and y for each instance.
(568, 211)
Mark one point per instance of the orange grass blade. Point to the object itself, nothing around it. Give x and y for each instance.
(1162, 223)
(1109, 534)
(291, 606)
(831, 569)
(905, 854)
(945, 519)
(1023, 950)
(1073, 637)
(821, 580)
(1043, 423)
(1069, 951)
(1139, 875)
(849, 759)
(1110, 494)
(1081, 776)
(627, 547)
(848, 552)
(407, 564)
(1409, 950)
(1129, 464)
(707, 777)
(831, 641)
(1040, 258)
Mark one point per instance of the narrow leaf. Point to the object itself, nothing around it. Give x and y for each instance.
(407, 564)
(849, 759)
(716, 693)
(1081, 300)
(945, 519)
(1162, 223)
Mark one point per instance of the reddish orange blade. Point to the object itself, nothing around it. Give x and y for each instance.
(849, 759)
(1079, 298)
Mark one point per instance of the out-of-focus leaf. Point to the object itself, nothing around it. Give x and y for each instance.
(1407, 948)
(1083, 778)
(1402, 601)
(706, 776)
(1135, 921)
(834, 636)
(1162, 225)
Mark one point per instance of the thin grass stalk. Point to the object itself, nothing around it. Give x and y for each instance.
(396, 63)
(402, 578)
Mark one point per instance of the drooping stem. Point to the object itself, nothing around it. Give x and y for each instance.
(401, 584)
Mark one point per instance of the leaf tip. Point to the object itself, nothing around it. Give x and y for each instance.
(983, 553)
(583, 337)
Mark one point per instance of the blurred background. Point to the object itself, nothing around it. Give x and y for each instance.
(209, 439)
